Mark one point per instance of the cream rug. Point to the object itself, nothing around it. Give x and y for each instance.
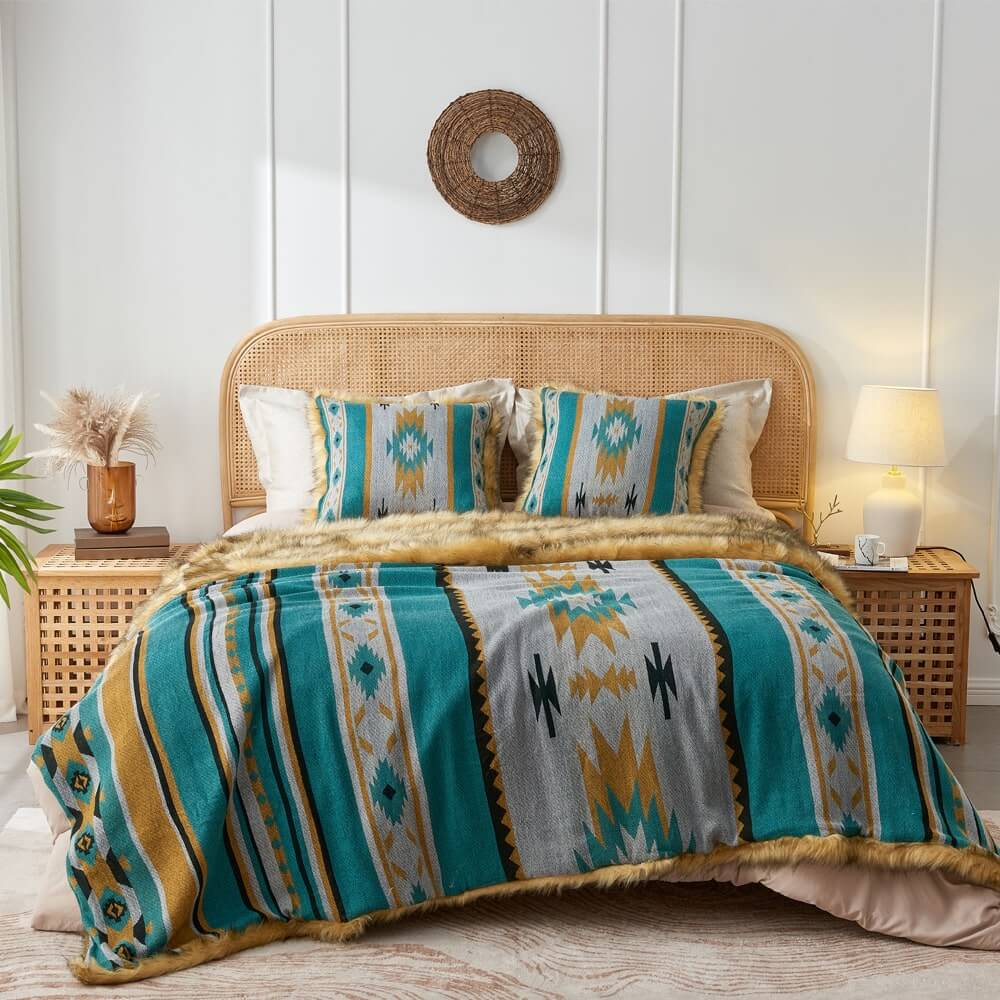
(659, 940)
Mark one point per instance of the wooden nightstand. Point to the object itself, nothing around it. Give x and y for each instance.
(73, 617)
(921, 619)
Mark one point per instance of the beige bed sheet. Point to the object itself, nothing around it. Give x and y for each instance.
(927, 907)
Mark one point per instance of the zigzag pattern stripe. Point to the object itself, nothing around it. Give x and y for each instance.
(727, 708)
(485, 737)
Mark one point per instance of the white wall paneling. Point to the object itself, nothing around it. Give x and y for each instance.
(144, 221)
(640, 156)
(410, 251)
(311, 115)
(190, 169)
(961, 504)
(602, 157)
(805, 190)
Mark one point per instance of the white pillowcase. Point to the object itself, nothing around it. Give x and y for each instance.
(268, 520)
(728, 482)
(278, 425)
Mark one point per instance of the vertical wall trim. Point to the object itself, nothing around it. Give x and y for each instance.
(11, 173)
(269, 147)
(993, 555)
(675, 176)
(345, 152)
(602, 158)
(930, 232)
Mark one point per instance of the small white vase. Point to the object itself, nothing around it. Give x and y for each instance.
(893, 513)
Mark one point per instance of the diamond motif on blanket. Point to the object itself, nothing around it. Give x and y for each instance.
(834, 717)
(367, 668)
(388, 791)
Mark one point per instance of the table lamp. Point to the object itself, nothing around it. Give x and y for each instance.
(895, 425)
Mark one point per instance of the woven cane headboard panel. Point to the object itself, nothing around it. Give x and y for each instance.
(637, 355)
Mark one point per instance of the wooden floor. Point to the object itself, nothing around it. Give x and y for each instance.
(977, 764)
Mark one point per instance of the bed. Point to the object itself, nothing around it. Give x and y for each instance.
(311, 729)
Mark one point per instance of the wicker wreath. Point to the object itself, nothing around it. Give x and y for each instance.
(449, 156)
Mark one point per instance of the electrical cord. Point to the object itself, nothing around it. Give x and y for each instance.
(994, 640)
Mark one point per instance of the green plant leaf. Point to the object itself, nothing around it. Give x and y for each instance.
(16, 548)
(8, 442)
(12, 569)
(18, 523)
(26, 500)
(18, 510)
(6, 468)
(23, 512)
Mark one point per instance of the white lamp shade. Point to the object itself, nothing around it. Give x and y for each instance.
(894, 425)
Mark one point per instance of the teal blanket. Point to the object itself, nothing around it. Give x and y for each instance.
(299, 731)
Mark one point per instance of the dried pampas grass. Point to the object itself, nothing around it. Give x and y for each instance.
(93, 429)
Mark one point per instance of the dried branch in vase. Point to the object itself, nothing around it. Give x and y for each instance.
(816, 523)
(94, 429)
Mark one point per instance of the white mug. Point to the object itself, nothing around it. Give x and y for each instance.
(868, 549)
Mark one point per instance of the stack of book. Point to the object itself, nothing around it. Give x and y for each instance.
(136, 543)
(897, 564)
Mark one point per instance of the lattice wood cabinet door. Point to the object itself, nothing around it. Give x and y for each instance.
(921, 619)
(73, 618)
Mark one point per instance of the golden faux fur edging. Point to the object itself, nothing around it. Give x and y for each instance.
(699, 454)
(492, 446)
(491, 538)
(971, 864)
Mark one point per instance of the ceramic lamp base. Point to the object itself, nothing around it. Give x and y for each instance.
(893, 513)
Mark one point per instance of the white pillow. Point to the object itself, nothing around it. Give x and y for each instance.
(278, 425)
(56, 908)
(728, 482)
(268, 520)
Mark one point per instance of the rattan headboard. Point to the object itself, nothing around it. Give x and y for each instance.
(637, 355)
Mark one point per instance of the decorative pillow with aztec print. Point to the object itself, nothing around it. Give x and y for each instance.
(374, 458)
(600, 456)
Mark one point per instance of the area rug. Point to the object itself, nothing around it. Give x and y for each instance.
(656, 940)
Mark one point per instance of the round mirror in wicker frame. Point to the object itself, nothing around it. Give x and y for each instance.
(449, 156)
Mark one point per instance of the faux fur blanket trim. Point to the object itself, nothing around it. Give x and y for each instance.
(970, 864)
(494, 538)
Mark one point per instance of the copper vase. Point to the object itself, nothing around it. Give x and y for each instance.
(111, 497)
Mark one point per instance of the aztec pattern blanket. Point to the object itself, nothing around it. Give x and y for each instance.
(309, 730)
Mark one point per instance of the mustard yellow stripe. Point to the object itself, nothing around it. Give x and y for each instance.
(136, 781)
(450, 466)
(571, 454)
(283, 715)
(221, 744)
(404, 742)
(367, 485)
(290, 902)
(922, 772)
(856, 714)
(362, 785)
(173, 790)
(657, 443)
(806, 696)
(136, 784)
